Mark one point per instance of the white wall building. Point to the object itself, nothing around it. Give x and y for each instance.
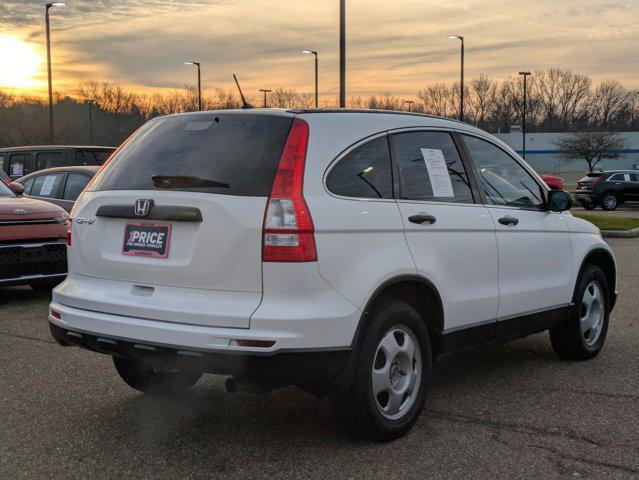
(542, 153)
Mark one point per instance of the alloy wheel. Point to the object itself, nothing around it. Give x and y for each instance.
(396, 372)
(610, 202)
(591, 314)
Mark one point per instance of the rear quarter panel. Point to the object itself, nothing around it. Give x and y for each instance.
(360, 243)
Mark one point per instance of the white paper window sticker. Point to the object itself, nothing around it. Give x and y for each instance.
(438, 173)
(47, 186)
(17, 169)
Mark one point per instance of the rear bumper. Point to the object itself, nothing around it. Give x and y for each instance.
(33, 262)
(586, 196)
(298, 310)
(286, 367)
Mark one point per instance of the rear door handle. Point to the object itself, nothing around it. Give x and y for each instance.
(422, 218)
(508, 220)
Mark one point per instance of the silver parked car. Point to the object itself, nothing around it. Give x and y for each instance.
(60, 186)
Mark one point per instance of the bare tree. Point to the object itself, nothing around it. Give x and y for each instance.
(385, 101)
(608, 103)
(481, 100)
(438, 100)
(591, 147)
(290, 98)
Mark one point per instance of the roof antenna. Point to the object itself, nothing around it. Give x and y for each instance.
(244, 102)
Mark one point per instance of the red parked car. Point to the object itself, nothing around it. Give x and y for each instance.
(32, 241)
(555, 183)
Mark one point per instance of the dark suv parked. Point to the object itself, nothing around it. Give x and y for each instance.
(20, 161)
(608, 189)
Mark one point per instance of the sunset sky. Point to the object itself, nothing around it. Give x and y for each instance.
(393, 46)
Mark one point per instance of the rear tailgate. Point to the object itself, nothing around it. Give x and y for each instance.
(216, 167)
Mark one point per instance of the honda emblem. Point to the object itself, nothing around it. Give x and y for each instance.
(143, 207)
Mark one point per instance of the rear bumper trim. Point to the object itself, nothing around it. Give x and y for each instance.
(290, 366)
(7, 282)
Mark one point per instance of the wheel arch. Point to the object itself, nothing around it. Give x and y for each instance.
(415, 290)
(617, 193)
(604, 260)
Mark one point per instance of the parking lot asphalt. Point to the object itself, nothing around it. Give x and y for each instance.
(510, 411)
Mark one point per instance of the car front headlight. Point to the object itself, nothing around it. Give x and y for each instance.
(63, 220)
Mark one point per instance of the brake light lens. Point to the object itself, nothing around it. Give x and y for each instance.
(69, 232)
(597, 180)
(288, 231)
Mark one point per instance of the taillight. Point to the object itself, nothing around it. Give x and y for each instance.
(288, 231)
(69, 232)
(597, 180)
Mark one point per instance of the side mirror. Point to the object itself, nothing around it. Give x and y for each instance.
(17, 188)
(559, 201)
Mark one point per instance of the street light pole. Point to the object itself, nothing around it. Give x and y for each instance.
(461, 88)
(265, 91)
(314, 52)
(410, 103)
(90, 103)
(342, 53)
(523, 120)
(50, 81)
(199, 84)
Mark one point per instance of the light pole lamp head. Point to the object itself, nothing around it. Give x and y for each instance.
(56, 4)
(309, 52)
(525, 74)
(456, 37)
(192, 63)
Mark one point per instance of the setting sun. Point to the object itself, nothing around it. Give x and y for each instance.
(19, 63)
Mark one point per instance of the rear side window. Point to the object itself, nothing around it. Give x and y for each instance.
(363, 173)
(91, 157)
(74, 186)
(224, 153)
(430, 168)
(49, 160)
(617, 177)
(19, 165)
(46, 185)
(27, 186)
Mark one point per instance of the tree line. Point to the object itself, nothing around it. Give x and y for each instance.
(105, 113)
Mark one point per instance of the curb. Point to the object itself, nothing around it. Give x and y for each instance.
(634, 233)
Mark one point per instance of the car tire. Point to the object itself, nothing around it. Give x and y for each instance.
(609, 201)
(391, 377)
(583, 336)
(146, 378)
(588, 206)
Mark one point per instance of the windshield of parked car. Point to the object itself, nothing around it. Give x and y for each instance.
(223, 153)
(5, 191)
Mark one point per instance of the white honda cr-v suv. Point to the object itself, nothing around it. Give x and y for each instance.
(339, 251)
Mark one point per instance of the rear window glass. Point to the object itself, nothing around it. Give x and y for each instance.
(49, 160)
(225, 153)
(91, 157)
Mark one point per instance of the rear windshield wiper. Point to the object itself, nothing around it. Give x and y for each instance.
(185, 181)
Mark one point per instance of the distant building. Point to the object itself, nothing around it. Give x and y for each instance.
(543, 156)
